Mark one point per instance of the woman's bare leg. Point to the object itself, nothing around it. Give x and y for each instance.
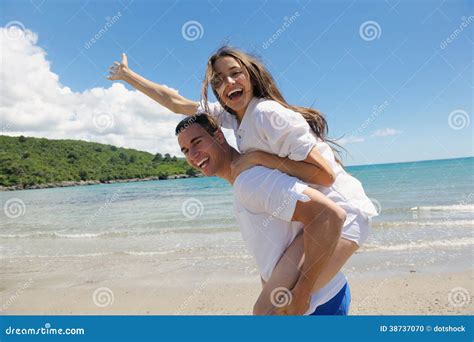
(287, 271)
(283, 278)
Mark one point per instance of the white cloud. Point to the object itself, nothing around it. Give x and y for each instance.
(386, 132)
(351, 140)
(35, 103)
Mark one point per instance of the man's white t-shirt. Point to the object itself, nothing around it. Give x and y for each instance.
(264, 204)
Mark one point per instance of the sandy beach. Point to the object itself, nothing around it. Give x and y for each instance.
(129, 287)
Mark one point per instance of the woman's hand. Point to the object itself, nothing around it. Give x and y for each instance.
(117, 70)
(244, 162)
(297, 306)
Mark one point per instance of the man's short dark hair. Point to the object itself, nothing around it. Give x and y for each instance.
(204, 120)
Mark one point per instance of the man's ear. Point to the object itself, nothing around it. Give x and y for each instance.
(220, 136)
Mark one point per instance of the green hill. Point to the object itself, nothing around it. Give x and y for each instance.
(27, 162)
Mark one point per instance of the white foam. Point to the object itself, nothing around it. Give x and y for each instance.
(455, 243)
(441, 223)
(454, 207)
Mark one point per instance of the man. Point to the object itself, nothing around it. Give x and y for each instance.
(272, 208)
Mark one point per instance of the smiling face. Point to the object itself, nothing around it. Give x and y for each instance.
(231, 82)
(203, 151)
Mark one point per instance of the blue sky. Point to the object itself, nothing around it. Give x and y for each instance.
(401, 90)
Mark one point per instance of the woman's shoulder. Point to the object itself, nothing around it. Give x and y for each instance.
(266, 105)
(269, 108)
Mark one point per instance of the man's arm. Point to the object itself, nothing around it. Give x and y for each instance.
(161, 94)
(323, 221)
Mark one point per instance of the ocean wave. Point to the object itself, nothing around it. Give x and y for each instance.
(115, 234)
(63, 235)
(440, 223)
(453, 207)
(455, 243)
(137, 254)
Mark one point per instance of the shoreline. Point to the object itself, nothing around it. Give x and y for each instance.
(94, 182)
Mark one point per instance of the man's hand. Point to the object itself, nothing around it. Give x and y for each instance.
(117, 70)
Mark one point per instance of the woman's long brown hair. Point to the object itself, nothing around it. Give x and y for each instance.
(263, 87)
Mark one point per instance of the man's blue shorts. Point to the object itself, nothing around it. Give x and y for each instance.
(338, 305)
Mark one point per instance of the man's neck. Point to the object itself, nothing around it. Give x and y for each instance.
(226, 172)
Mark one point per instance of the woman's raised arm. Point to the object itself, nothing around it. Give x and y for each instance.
(161, 94)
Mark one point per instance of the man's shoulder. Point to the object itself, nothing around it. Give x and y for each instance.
(260, 181)
(251, 178)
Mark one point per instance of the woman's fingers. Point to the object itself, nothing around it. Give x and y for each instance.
(124, 59)
(115, 69)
